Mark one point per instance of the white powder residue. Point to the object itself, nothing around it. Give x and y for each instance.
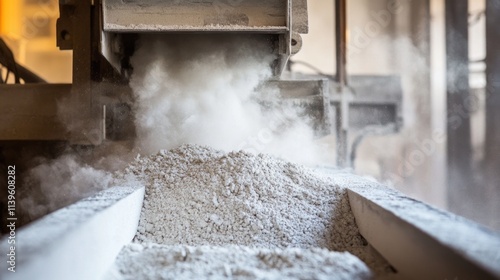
(233, 262)
(59, 182)
(209, 27)
(200, 196)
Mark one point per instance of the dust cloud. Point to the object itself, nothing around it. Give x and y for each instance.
(206, 90)
(188, 89)
(59, 182)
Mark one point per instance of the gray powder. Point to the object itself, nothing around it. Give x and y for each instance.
(199, 196)
(235, 262)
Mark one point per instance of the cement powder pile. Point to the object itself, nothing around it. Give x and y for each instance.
(234, 262)
(198, 196)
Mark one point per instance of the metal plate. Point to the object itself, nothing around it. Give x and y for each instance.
(195, 15)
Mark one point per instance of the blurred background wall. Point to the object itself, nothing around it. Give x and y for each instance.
(410, 43)
(28, 27)
(386, 37)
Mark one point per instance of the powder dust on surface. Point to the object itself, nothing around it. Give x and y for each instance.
(199, 196)
(235, 262)
(188, 89)
(197, 107)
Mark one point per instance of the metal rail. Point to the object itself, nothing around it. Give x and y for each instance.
(422, 242)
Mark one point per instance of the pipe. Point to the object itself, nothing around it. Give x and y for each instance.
(341, 41)
(341, 79)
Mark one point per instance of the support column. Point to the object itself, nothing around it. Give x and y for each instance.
(459, 152)
(341, 115)
(492, 141)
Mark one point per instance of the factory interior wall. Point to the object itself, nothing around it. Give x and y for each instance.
(29, 28)
(391, 51)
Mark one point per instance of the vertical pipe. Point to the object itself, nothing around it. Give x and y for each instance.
(492, 141)
(420, 36)
(341, 79)
(459, 152)
(341, 41)
(492, 146)
(419, 94)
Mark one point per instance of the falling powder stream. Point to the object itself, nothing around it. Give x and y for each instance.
(199, 89)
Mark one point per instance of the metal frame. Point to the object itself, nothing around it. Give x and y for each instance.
(354, 98)
(82, 28)
(191, 15)
(35, 109)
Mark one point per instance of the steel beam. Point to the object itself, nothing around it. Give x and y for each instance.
(77, 30)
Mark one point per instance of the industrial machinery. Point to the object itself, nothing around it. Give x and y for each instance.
(102, 35)
(96, 106)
